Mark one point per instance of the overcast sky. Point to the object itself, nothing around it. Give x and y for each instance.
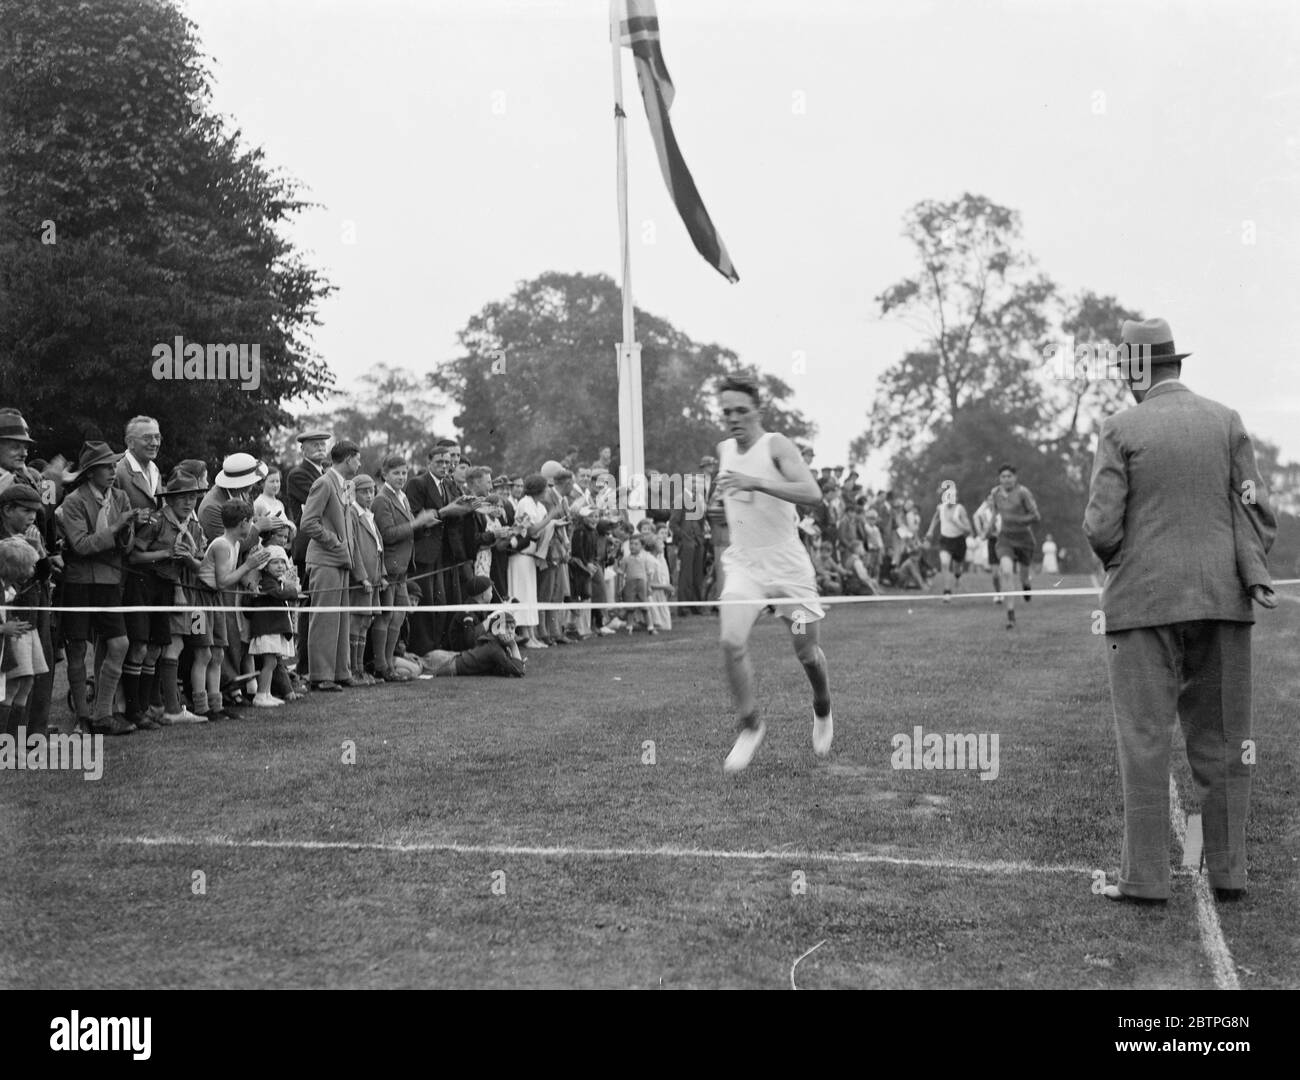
(1152, 149)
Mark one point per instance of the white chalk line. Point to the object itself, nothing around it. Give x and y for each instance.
(808, 953)
(666, 852)
(1207, 917)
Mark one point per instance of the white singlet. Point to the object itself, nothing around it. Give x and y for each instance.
(764, 559)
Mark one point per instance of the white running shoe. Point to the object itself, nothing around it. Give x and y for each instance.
(266, 701)
(184, 717)
(533, 643)
(823, 732)
(742, 753)
(605, 631)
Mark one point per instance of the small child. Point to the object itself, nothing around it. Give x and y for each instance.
(634, 572)
(661, 589)
(270, 621)
(18, 640)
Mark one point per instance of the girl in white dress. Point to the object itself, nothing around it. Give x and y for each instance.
(531, 519)
(660, 587)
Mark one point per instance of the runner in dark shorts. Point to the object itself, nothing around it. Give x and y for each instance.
(1015, 506)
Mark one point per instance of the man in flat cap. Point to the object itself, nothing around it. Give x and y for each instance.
(1179, 516)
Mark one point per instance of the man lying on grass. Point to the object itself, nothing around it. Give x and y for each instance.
(495, 652)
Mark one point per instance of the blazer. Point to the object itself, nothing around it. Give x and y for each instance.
(422, 493)
(367, 549)
(294, 492)
(1166, 512)
(396, 529)
(135, 485)
(327, 524)
(92, 556)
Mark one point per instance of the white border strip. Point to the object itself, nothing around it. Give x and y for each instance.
(434, 847)
(1207, 918)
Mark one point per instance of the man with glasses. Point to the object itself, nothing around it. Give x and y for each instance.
(148, 632)
(761, 479)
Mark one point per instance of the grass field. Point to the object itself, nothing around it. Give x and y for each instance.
(505, 833)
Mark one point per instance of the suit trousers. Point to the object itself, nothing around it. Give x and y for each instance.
(1198, 672)
(422, 627)
(690, 575)
(328, 655)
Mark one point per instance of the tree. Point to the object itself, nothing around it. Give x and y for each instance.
(390, 413)
(538, 376)
(984, 314)
(129, 217)
(1092, 393)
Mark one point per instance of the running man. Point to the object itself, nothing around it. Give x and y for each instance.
(762, 478)
(1017, 511)
(954, 526)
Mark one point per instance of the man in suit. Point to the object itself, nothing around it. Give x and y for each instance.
(314, 446)
(1179, 516)
(137, 475)
(687, 525)
(426, 493)
(398, 527)
(328, 526)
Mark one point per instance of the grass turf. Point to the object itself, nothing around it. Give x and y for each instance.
(556, 760)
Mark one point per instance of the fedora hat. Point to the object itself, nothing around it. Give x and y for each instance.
(92, 454)
(240, 471)
(182, 483)
(1154, 337)
(13, 426)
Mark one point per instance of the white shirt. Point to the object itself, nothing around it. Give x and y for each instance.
(151, 473)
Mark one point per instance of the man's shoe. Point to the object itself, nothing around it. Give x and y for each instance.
(742, 753)
(605, 631)
(396, 676)
(143, 723)
(111, 725)
(823, 732)
(1111, 892)
(533, 643)
(998, 599)
(1228, 896)
(328, 686)
(266, 701)
(561, 640)
(185, 717)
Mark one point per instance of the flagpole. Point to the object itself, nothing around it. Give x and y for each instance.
(631, 438)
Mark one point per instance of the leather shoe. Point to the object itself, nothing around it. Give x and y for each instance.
(1111, 892)
(143, 723)
(395, 676)
(1228, 896)
(112, 725)
(327, 686)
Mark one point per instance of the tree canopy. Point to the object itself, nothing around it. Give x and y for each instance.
(538, 377)
(130, 216)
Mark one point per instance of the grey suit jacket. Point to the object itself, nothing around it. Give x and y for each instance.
(1178, 512)
(326, 523)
